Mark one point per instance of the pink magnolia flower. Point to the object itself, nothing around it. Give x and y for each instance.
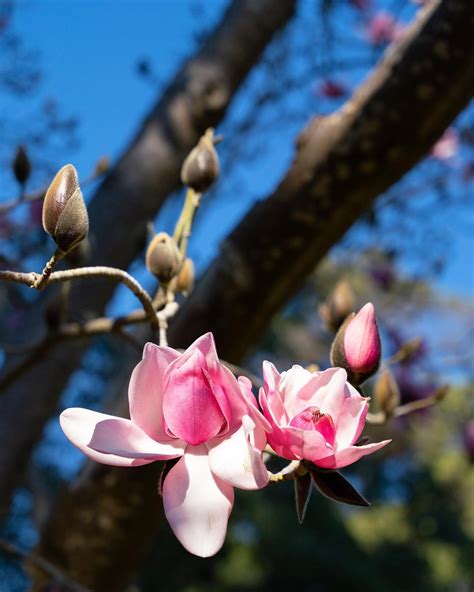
(187, 406)
(317, 416)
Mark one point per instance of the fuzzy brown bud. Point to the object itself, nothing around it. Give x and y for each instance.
(386, 392)
(201, 167)
(163, 258)
(185, 279)
(338, 305)
(64, 211)
(21, 165)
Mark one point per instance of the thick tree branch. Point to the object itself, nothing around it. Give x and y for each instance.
(128, 198)
(342, 163)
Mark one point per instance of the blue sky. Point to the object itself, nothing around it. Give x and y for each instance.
(89, 51)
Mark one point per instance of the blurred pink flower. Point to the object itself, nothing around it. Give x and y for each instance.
(315, 416)
(187, 406)
(382, 28)
(447, 146)
(331, 89)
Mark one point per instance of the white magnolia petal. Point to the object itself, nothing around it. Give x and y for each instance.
(197, 504)
(237, 461)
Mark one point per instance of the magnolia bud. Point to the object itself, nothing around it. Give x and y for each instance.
(64, 211)
(21, 165)
(201, 167)
(356, 347)
(387, 392)
(338, 305)
(185, 279)
(163, 258)
(102, 166)
(410, 349)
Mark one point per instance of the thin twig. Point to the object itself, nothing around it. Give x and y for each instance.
(292, 471)
(433, 399)
(168, 311)
(57, 575)
(380, 418)
(46, 273)
(32, 279)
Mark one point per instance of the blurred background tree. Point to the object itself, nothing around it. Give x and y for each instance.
(259, 71)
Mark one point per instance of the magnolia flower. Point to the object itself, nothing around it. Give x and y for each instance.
(315, 416)
(187, 406)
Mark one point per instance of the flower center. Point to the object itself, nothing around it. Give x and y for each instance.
(311, 418)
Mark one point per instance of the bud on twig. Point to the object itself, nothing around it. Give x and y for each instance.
(163, 258)
(185, 279)
(21, 165)
(339, 304)
(64, 211)
(356, 347)
(387, 392)
(201, 167)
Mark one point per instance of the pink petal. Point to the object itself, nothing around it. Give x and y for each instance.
(330, 398)
(351, 420)
(197, 504)
(113, 440)
(276, 438)
(305, 444)
(325, 426)
(145, 392)
(350, 455)
(271, 380)
(237, 461)
(271, 377)
(207, 346)
(298, 388)
(253, 410)
(190, 408)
